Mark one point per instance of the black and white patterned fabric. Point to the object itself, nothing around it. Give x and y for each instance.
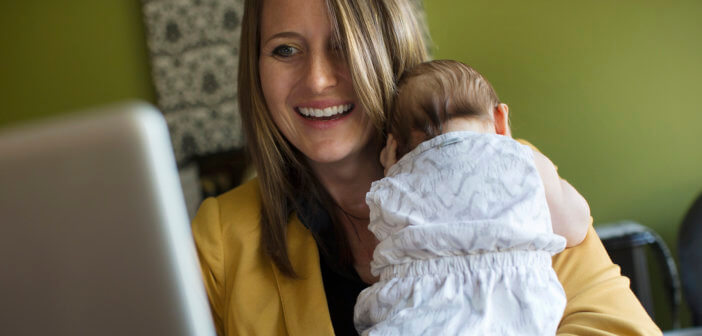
(194, 57)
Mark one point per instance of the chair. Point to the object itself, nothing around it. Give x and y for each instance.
(627, 243)
(690, 254)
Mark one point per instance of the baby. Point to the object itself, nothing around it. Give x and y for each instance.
(467, 219)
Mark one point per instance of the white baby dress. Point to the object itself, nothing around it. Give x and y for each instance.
(465, 243)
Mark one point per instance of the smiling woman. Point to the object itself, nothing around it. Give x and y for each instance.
(310, 58)
(288, 252)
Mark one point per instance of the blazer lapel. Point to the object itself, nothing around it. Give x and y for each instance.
(304, 301)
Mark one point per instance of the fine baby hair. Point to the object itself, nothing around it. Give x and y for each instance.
(431, 93)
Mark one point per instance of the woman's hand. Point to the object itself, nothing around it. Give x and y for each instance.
(388, 156)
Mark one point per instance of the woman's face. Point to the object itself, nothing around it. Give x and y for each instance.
(306, 82)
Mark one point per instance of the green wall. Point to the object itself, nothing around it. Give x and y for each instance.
(57, 56)
(609, 90)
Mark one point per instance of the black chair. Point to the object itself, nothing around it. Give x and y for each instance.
(690, 254)
(628, 244)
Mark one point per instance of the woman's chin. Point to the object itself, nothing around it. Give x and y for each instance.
(333, 152)
(345, 144)
(328, 156)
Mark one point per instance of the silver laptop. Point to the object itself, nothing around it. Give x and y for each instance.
(94, 234)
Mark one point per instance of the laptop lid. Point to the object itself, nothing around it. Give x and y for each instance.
(94, 234)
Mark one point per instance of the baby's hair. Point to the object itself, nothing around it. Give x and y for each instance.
(431, 93)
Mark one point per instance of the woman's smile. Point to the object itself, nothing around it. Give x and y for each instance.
(327, 113)
(323, 115)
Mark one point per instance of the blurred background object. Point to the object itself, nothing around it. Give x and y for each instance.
(633, 246)
(690, 252)
(194, 55)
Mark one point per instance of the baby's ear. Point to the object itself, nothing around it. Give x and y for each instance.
(388, 155)
(501, 116)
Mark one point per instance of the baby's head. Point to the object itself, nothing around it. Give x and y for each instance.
(441, 96)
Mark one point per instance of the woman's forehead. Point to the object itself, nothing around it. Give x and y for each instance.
(303, 17)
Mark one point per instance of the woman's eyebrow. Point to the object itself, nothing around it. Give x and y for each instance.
(285, 34)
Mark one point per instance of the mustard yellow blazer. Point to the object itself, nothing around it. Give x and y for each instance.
(249, 296)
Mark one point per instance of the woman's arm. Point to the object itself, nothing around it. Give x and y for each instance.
(600, 301)
(570, 212)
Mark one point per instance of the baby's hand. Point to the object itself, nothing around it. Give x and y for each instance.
(388, 156)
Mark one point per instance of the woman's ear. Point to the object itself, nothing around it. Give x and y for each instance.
(501, 115)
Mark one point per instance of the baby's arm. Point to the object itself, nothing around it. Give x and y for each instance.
(388, 156)
(569, 210)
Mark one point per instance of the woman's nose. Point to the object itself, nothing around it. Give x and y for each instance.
(322, 72)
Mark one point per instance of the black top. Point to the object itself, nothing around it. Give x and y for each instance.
(341, 297)
(341, 284)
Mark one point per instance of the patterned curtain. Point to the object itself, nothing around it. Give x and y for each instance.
(193, 46)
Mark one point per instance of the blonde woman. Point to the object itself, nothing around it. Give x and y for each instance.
(288, 252)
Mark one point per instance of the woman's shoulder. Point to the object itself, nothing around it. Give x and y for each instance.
(246, 197)
(236, 211)
(227, 234)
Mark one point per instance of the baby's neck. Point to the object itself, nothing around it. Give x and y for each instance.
(468, 124)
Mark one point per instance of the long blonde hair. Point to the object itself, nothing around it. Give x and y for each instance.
(380, 39)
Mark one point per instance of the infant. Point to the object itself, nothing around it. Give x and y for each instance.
(468, 218)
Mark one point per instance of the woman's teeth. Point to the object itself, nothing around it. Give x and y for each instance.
(326, 112)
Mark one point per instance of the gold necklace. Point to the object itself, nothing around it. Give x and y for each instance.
(368, 253)
(353, 224)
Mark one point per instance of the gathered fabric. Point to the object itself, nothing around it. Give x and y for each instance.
(465, 243)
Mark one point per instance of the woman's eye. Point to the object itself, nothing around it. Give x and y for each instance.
(284, 51)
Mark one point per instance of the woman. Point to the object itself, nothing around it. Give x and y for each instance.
(288, 252)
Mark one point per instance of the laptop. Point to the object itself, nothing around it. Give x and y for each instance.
(94, 233)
